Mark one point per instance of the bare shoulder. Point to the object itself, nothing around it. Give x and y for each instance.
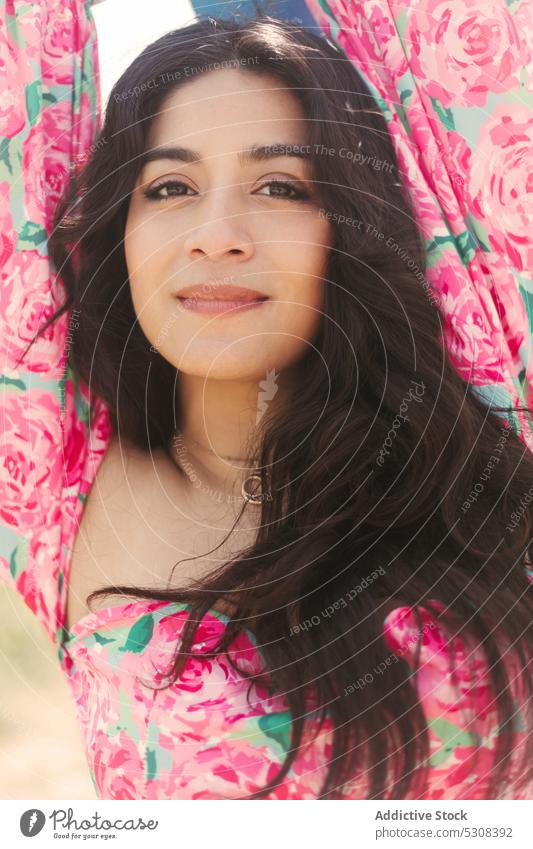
(124, 462)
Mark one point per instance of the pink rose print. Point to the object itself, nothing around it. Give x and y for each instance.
(25, 310)
(8, 235)
(28, 23)
(31, 462)
(443, 182)
(74, 463)
(368, 33)
(496, 287)
(501, 201)
(46, 164)
(463, 51)
(76, 446)
(101, 430)
(524, 26)
(31, 591)
(43, 597)
(63, 39)
(96, 702)
(34, 177)
(467, 334)
(118, 767)
(477, 764)
(12, 102)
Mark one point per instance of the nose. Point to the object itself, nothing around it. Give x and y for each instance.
(220, 234)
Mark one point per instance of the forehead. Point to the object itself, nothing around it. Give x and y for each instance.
(229, 104)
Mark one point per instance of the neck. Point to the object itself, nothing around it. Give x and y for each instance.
(207, 450)
(219, 426)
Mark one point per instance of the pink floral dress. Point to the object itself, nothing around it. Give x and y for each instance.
(201, 738)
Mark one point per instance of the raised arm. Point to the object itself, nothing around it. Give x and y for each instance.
(454, 83)
(48, 115)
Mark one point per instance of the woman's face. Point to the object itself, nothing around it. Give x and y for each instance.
(220, 221)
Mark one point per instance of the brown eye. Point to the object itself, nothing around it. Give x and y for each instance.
(154, 192)
(297, 192)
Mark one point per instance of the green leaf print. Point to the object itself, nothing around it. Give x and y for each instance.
(451, 737)
(8, 382)
(139, 634)
(83, 410)
(387, 114)
(93, 779)
(4, 154)
(325, 8)
(464, 244)
(151, 765)
(445, 115)
(528, 301)
(466, 247)
(478, 231)
(33, 101)
(400, 111)
(32, 234)
(102, 640)
(14, 29)
(18, 559)
(522, 389)
(277, 726)
(435, 248)
(13, 563)
(62, 393)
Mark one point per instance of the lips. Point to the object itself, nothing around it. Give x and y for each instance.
(214, 292)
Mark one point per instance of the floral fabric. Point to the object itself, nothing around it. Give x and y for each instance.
(454, 81)
(201, 738)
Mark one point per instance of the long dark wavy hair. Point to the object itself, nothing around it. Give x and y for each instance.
(348, 499)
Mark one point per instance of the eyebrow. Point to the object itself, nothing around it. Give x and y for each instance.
(256, 153)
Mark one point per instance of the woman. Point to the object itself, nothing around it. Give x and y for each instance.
(358, 566)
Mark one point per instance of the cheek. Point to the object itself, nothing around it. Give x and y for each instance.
(298, 319)
(299, 326)
(141, 252)
(145, 240)
(134, 251)
(303, 289)
(313, 255)
(143, 284)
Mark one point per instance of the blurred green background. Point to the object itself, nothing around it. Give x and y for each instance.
(41, 749)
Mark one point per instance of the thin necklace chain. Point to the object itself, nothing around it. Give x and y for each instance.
(214, 453)
(252, 497)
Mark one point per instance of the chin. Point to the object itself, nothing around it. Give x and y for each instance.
(219, 363)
